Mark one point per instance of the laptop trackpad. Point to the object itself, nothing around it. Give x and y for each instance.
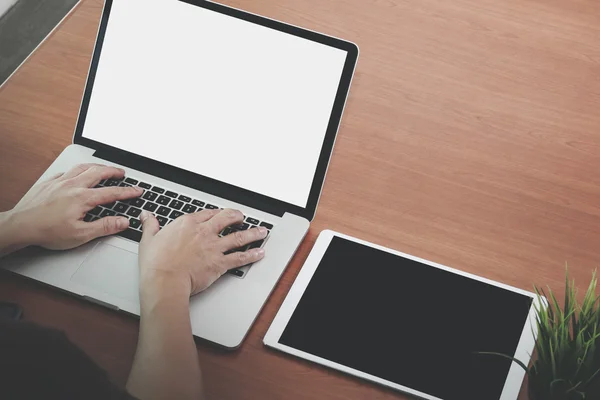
(110, 270)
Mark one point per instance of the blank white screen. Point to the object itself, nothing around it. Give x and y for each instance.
(215, 95)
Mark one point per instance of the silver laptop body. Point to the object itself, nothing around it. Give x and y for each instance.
(105, 271)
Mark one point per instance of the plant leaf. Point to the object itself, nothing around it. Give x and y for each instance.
(519, 362)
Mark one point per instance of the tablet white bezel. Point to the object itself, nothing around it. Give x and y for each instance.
(515, 375)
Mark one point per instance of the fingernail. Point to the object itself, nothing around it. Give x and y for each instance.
(144, 215)
(262, 230)
(123, 223)
(260, 252)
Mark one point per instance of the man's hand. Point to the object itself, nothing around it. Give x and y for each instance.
(51, 214)
(182, 259)
(188, 253)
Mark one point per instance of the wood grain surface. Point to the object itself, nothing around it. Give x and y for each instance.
(471, 138)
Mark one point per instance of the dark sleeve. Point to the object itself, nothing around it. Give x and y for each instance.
(39, 363)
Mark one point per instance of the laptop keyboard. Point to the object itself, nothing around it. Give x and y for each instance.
(167, 206)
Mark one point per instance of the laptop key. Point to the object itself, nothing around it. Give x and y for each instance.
(236, 272)
(266, 225)
(137, 202)
(131, 181)
(211, 207)
(109, 205)
(120, 207)
(162, 220)
(107, 213)
(256, 245)
(144, 185)
(164, 200)
(135, 223)
(131, 234)
(252, 220)
(123, 184)
(188, 208)
(176, 204)
(111, 182)
(171, 194)
(157, 189)
(150, 196)
(95, 211)
(134, 212)
(185, 198)
(175, 214)
(198, 203)
(162, 210)
(88, 217)
(240, 227)
(150, 206)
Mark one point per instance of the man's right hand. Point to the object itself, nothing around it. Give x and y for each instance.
(187, 255)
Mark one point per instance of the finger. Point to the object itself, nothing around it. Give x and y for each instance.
(224, 219)
(93, 175)
(242, 238)
(109, 194)
(241, 258)
(78, 169)
(150, 226)
(204, 215)
(105, 226)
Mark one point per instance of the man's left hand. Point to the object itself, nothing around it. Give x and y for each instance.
(51, 214)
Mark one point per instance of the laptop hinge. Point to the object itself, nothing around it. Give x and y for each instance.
(193, 181)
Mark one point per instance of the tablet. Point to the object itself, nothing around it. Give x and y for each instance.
(406, 323)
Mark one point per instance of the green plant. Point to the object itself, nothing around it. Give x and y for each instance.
(567, 366)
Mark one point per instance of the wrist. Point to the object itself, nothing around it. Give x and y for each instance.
(158, 288)
(13, 235)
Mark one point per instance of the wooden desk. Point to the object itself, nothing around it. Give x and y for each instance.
(471, 138)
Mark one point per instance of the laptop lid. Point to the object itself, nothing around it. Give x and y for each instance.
(217, 99)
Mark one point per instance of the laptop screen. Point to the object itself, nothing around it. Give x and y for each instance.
(215, 95)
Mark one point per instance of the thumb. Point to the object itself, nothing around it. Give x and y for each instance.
(106, 226)
(150, 226)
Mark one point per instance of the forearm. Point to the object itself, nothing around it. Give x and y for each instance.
(166, 363)
(11, 238)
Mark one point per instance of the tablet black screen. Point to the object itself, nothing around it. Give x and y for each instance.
(408, 323)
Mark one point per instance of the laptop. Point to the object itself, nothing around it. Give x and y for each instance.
(204, 106)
